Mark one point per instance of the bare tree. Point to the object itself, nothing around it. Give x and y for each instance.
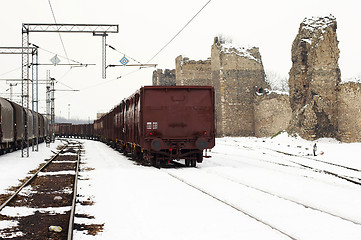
(277, 81)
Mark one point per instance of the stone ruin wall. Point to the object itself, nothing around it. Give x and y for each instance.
(166, 78)
(349, 112)
(272, 114)
(236, 79)
(313, 79)
(318, 104)
(322, 106)
(194, 73)
(237, 75)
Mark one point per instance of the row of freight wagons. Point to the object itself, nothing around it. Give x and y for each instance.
(157, 124)
(12, 127)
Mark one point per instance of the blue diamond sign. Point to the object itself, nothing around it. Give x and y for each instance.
(124, 61)
(55, 60)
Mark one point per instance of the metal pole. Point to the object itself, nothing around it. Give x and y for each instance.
(11, 91)
(48, 95)
(48, 103)
(32, 101)
(104, 54)
(25, 91)
(52, 121)
(69, 112)
(37, 100)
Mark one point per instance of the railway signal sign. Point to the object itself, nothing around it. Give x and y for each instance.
(124, 61)
(55, 60)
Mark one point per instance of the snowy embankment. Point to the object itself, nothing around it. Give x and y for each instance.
(250, 189)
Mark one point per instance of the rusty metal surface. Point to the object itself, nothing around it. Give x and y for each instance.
(157, 123)
(178, 112)
(41, 126)
(19, 128)
(7, 121)
(175, 115)
(29, 114)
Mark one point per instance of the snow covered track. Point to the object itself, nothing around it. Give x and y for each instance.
(221, 174)
(230, 205)
(266, 195)
(344, 172)
(319, 185)
(274, 211)
(242, 192)
(282, 157)
(43, 207)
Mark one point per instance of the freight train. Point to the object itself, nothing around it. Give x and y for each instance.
(12, 131)
(157, 124)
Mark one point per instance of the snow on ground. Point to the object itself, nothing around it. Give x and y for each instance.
(13, 167)
(148, 204)
(271, 188)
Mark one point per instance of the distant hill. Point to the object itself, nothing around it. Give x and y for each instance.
(73, 121)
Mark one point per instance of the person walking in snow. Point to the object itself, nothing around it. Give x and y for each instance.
(314, 149)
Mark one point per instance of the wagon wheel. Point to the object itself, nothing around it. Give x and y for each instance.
(187, 162)
(193, 162)
(156, 161)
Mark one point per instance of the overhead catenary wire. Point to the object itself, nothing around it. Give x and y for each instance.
(111, 47)
(61, 39)
(63, 45)
(67, 72)
(179, 31)
(111, 80)
(57, 54)
(18, 68)
(62, 78)
(103, 83)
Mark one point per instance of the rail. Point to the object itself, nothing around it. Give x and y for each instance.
(30, 179)
(72, 212)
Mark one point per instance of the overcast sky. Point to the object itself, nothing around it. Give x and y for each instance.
(146, 26)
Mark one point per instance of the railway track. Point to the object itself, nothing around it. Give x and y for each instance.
(43, 206)
(282, 197)
(349, 174)
(308, 157)
(232, 205)
(279, 200)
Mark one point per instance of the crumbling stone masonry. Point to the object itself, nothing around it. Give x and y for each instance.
(237, 74)
(272, 114)
(194, 73)
(164, 79)
(243, 105)
(318, 105)
(349, 112)
(313, 79)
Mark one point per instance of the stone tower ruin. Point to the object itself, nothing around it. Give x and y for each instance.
(313, 79)
(194, 73)
(166, 78)
(237, 75)
(318, 105)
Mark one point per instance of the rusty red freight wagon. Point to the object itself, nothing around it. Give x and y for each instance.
(166, 123)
